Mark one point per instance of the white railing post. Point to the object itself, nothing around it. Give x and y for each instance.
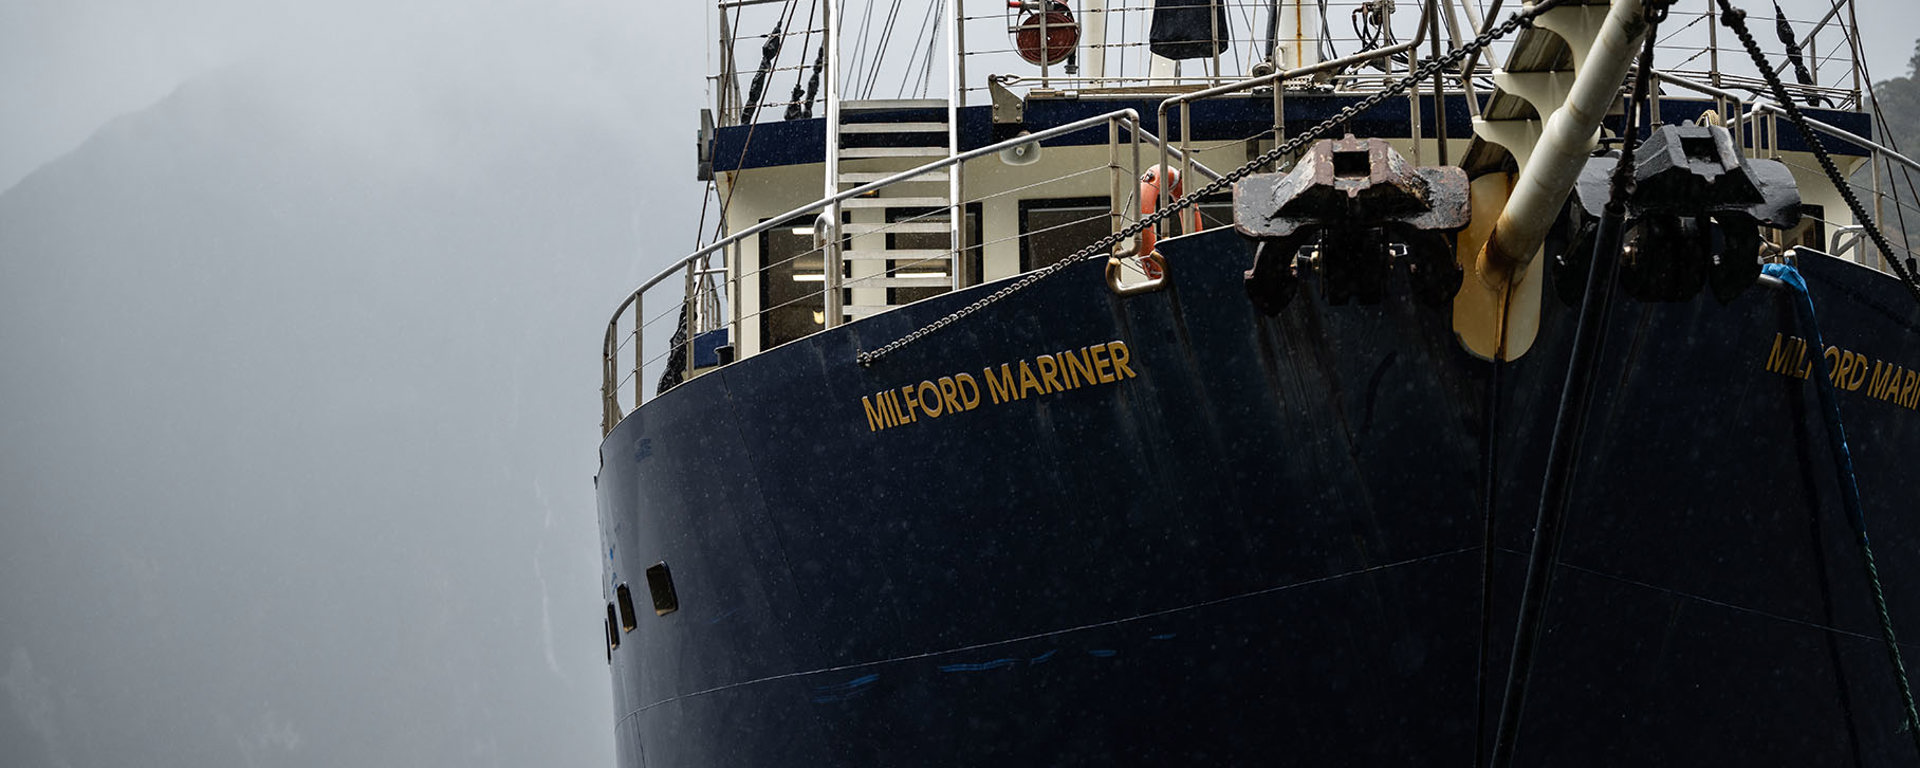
(956, 97)
(830, 286)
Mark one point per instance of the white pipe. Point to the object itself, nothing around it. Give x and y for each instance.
(1564, 142)
(1299, 36)
(831, 291)
(956, 98)
(1093, 19)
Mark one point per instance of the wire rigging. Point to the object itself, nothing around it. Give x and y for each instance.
(800, 104)
(1569, 421)
(880, 48)
(1893, 142)
(1736, 20)
(1428, 68)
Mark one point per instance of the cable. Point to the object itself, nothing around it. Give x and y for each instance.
(800, 104)
(1491, 484)
(880, 48)
(1736, 20)
(1569, 421)
(1428, 68)
(1893, 142)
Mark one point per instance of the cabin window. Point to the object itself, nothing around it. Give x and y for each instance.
(1811, 232)
(625, 597)
(660, 583)
(792, 280)
(1052, 230)
(613, 638)
(969, 257)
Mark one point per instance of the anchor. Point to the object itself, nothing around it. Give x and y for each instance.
(1359, 217)
(1694, 218)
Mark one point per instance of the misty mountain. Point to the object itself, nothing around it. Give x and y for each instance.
(300, 419)
(1900, 129)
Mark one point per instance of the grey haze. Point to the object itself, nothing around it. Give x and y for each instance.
(300, 308)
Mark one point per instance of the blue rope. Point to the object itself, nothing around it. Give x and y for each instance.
(1849, 488)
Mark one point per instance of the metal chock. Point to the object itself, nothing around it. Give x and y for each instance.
(1360, 218)
(1693, 220)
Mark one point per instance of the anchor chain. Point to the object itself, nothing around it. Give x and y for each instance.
(1429, 68)
(1736, 20)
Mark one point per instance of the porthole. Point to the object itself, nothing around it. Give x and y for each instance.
(660, 583)
(626, 608)
(613, 638)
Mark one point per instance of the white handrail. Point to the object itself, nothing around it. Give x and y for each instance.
(610, 384)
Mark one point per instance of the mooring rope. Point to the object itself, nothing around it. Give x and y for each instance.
(1849, 486)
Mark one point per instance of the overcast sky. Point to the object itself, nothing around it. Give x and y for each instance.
(69, 66)
(300, 307)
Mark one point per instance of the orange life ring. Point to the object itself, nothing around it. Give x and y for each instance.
(1149, 201)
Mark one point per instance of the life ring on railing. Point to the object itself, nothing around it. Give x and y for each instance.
(1149, 201)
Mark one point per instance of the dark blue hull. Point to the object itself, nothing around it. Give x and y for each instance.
(1264, 546)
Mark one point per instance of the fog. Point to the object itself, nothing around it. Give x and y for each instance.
(300, 309)
(300, 312)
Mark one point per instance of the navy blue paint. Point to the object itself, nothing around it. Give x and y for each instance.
(1315, 574)
(706, 347)
(793, 142)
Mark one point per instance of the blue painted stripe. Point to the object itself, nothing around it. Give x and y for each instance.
(979, 667)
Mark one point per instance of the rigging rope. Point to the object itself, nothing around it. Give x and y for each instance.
(799, 108)
(1736, 19)
(1849, 488)
(752, 122)
(1489, 459)
(769, 52)
(880, 48)
(1570, 418)
(1893, 142)
(1428, 68)
(1784, 30)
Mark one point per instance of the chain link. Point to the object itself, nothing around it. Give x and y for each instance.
(1427, 69)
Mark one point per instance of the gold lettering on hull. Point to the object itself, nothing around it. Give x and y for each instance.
(1037, 376)
(1848, 370)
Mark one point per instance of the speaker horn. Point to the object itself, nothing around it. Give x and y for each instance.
(1024, 153)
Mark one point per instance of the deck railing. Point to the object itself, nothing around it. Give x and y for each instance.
(1756, 128)
(631, 332)
(885, 55)
(703, 300)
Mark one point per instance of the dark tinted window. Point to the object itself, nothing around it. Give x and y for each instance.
(1052, 230)
(626, 608)
(969, 259)
(793, 274)
(613, 638)
(660, 583)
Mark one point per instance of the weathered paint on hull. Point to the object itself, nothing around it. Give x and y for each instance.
(1265, 546)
